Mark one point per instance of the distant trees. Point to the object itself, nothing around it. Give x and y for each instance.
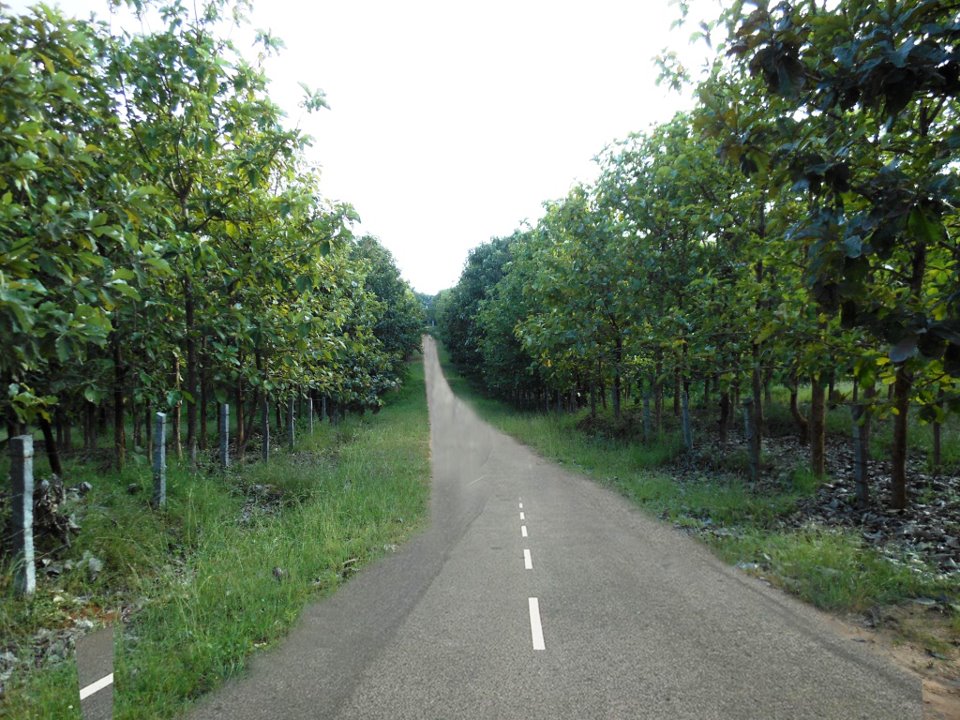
(164, 243)
(799, 225)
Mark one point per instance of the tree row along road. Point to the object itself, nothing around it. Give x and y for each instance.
(537, 594)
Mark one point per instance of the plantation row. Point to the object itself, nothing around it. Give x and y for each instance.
(799, 225)
(163, 241)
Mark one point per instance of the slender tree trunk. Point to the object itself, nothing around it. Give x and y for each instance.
(938, 436)
(148, 430)
(803, 430)
(204, 389)
(241, 438)
(177, 436)
(756, 387)
(50, 446)
(861, 453)
(817, 426)
(119, 428)
(593, 400)
(617, 389)
(658, 395)
(676, 393)
(898, 453)
(192, 361)
(723, 425)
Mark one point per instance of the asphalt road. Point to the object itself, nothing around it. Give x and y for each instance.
(636, 620)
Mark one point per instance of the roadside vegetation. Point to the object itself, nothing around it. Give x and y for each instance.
(225, 570)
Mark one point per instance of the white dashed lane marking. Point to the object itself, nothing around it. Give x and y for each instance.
(96, 687)
(527, 561)
(536, 629)
(523, 531)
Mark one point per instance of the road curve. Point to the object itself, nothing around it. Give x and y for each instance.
(534, 593)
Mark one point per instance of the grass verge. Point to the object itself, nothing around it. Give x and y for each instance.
(229, 565)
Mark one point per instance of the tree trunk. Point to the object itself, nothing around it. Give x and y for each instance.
(204, 399)
(192, 361)
(241, 438)
(938, 436)
(658, 396)
(803, 429)
(898, 453)
(647, 431)
(617, 363)
(148, 431)
(676, 393)
(50, 446)
(817, 425)
(756, 387)
(861, 453)
(685, 421)
(119, 429)
(723, 425)
(177, 436)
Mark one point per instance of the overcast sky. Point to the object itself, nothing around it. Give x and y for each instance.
(451, 122)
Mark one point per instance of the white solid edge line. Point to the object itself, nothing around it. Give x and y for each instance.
(527, 561)
(96, 687)
(523, 530)
(522, 516)
(536, 629)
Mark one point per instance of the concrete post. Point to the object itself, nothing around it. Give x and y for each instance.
(225, 435)
(21, 476)
(160, 461)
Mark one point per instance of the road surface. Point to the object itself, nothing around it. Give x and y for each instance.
(536, 593)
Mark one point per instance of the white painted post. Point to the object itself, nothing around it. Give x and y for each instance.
(21, 476)
(160, 461)
(310, 413)
(225, 435)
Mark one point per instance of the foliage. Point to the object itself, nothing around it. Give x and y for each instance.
(810, 233)
(164, 241)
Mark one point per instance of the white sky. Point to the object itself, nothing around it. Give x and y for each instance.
(451, 122)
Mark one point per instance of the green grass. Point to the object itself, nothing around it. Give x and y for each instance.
(830, 569)
(206, 567)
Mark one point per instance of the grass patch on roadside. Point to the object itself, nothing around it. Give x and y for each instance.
(220, 576)
(831, 569)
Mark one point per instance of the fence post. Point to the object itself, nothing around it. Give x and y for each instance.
(310, 413)
(265, 428)
(160, 461)
(225, 435)
(291, 407)
(21, 476)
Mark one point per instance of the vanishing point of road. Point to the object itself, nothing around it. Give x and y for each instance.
(535, 593)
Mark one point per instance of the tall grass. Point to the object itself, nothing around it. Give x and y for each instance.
(229, 565)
